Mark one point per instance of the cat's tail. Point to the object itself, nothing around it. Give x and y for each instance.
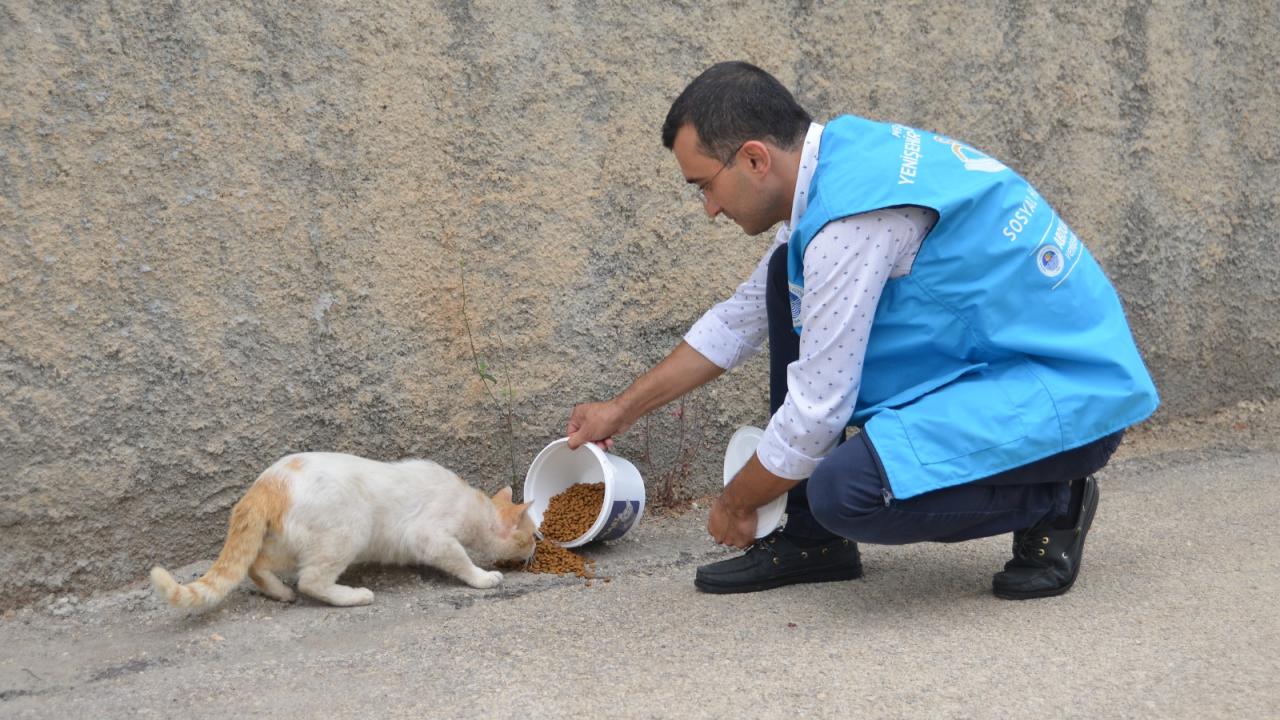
(262, 508)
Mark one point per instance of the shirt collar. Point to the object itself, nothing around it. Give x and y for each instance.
(804, 174)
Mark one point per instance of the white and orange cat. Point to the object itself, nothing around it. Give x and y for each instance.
(320, 512)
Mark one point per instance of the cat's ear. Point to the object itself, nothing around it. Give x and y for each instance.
(503, 496)
(514, 515)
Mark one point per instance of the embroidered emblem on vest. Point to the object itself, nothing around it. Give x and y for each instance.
(1049, 260)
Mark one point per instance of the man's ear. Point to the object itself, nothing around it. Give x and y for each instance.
(757, 156)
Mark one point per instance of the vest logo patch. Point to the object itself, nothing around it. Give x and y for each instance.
(795, 292)
(1049, 260)
(974, 160)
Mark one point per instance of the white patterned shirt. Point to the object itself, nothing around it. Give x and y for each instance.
(846, 267)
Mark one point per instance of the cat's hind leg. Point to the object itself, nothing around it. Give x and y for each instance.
(320, 582)
(448, 555)
(263, 575)
(318, 571)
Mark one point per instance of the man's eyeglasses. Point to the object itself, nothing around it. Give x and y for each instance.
(698, 191)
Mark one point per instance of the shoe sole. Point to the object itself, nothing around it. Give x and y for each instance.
(1089, 507)
(833, 575)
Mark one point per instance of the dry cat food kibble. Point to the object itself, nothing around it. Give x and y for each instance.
(568, 516)
(572, 512)
(551, 557)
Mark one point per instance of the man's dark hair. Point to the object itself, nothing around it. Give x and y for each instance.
(733, 102)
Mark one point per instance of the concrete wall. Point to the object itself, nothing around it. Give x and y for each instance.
(230, 231)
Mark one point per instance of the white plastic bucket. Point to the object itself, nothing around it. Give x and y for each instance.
(739, 450)
(557, 468)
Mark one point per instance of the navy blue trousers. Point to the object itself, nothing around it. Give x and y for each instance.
(848, 496)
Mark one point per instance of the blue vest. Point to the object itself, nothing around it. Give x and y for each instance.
(1004, 344)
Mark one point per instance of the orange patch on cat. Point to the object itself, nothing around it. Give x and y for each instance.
(502, 498)
(511, 514)
(260, 511)
(269, 497)
(295, 464)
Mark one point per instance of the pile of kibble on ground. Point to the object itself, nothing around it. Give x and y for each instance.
(568, 516)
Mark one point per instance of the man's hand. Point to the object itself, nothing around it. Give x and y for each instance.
(732, 526)
(733, 515)
(681, 371)
(596, 422)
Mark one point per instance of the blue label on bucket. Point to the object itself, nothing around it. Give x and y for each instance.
(621, 517)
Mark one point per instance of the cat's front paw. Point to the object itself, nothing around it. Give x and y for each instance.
(485, 579)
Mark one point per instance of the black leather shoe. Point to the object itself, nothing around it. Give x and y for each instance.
(1046, 559)
(774, 561)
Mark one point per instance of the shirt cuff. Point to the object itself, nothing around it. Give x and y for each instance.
(717, 343)
(778, 458)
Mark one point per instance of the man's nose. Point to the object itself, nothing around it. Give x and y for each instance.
(712, 208)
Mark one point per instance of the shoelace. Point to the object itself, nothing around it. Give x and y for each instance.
(1029, 548)
(765, 543)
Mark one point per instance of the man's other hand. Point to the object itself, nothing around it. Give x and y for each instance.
(728, 525)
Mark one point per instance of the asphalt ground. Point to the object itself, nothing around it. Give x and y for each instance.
(1174, 616)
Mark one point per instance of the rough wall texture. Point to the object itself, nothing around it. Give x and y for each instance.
(230, 232)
